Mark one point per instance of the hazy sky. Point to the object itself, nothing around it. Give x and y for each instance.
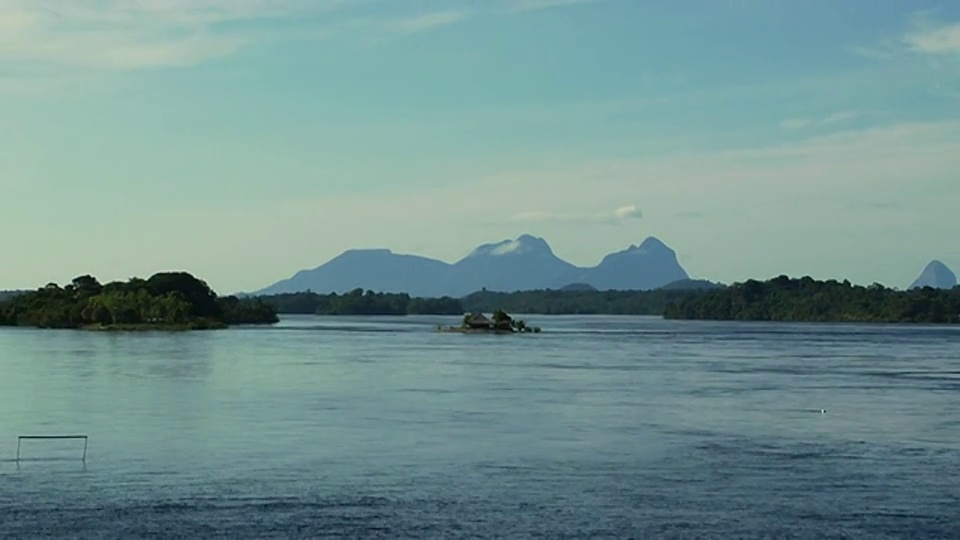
(243, 140)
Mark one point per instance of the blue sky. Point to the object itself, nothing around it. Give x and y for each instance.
(243, 140)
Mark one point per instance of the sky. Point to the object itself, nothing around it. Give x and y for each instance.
(243, 140)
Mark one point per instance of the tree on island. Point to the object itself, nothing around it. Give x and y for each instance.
(500, 322)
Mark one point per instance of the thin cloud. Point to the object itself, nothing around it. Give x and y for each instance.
(139, 34)
(835, 118)
(404, 24)
(926, 36)
(427, 21)
(127, 34)
(618, 216)
(519, 6)
(884, 51)
(142, 34)
(939, 40)
(627, 212)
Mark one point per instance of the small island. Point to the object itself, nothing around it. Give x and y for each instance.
(500, 323)
(165, 301)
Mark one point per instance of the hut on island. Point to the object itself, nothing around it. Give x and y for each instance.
(477, 321)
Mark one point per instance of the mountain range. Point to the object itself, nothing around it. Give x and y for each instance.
(524, 263)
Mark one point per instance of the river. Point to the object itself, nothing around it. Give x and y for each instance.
(618, 427)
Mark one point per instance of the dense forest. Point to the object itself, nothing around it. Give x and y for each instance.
(583, 302)
(786, 299)
(4, 295)
(360, 302)
(779, 299)
(174, 300)
(549, 302)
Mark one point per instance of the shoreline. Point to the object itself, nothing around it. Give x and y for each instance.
(154, 327)
(457, 330)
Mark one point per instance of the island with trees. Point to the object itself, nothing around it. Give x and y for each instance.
(166, 301)
(499, 323)
(809, 300)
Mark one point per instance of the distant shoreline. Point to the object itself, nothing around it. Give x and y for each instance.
(626, 316)
(781, 299)
(148, 327)
(182, 302)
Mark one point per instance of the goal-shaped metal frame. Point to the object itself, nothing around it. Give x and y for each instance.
(22, 438)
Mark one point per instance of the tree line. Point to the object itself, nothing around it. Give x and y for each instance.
(778, 299)
(808, 300)
(167, 299)
(360, 302)
(546, 302)
(578, 302)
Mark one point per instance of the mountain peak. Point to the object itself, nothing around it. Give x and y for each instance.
(651, 244)
(523, 245)
(648, 266)
(936, 275)
(367, 251)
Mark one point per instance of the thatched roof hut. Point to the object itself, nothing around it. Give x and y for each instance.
(477, 320)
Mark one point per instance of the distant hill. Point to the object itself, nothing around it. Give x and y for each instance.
(524, 263)
(650, 265)
(578, 287)
(937, 276)
(379, 270)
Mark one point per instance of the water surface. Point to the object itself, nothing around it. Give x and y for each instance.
(598, 427)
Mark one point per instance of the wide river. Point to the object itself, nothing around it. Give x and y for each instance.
(619, 427)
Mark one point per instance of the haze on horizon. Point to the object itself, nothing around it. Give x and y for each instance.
(243, 140)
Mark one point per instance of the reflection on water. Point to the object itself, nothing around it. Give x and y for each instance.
(601, 426)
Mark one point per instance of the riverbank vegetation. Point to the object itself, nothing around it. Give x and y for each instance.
(542, 302)
(779, 299)
(168, 300)
(808, 300)
(6, 295)
(577, 302)
(360, 302)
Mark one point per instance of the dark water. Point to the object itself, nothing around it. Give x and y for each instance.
(599, 427)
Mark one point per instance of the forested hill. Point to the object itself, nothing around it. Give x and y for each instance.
(172, 300)
(805, 299)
